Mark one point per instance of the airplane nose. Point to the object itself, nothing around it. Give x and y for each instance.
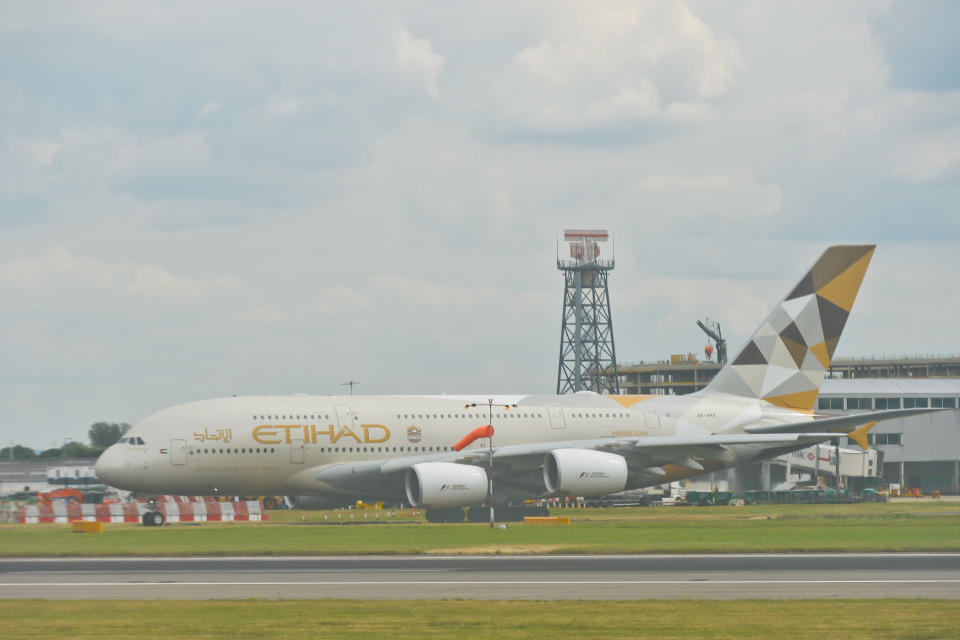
(109, 467)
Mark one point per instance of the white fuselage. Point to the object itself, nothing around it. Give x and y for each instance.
(276, 444)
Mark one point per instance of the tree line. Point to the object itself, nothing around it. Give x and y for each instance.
(101, 435)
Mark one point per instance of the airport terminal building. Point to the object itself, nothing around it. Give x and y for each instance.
(917, 452)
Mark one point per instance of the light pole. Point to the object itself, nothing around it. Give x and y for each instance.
(488, 434)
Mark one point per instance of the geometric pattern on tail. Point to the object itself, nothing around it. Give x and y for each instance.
(786, 359)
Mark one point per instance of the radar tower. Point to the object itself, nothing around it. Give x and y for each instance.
(588, 360)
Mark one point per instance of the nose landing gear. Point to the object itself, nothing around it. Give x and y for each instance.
(153, 517)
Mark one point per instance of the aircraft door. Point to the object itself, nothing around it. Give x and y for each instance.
(178, 452)
(557, 420)
(296, 448)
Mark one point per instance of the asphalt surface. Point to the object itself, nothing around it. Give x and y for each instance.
(912, 575)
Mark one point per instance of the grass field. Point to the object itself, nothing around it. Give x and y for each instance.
(929, 526)
(742, 619)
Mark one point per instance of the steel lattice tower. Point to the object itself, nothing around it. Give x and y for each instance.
(588, 360)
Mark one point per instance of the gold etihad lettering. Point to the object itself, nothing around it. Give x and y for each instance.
(312, 434)
(636, 433)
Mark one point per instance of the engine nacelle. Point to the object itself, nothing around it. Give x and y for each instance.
(445, 484)
(584, 472)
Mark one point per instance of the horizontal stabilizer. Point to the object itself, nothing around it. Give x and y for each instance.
(840, 424)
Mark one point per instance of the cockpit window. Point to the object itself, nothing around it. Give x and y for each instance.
(123, 440)
(140, 440)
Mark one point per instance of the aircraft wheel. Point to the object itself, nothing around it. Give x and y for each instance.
(509, 514)
(479, 514)
(154, 519)
(453, 514)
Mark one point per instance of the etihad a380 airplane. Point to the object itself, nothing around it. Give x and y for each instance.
(435, 451)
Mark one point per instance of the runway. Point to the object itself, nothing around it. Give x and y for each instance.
(911, 575)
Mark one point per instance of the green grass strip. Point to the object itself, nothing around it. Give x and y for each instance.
(682, 619)
(777, 528)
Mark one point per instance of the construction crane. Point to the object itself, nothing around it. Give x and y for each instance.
(712, 329)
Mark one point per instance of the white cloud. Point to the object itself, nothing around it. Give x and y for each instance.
(208, 108)
(602, 64)
(413, 56)
(56, 274)
(928, 159)
(26, 166)
(285, 107)
(735, 196)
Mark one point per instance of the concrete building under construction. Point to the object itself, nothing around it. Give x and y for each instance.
(686, 373)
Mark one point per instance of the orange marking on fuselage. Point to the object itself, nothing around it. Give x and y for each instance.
(629, 401)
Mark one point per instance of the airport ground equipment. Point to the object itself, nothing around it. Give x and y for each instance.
(588, 359)
(47, 497)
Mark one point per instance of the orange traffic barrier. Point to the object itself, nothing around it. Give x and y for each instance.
(546, 520)
(85, 526)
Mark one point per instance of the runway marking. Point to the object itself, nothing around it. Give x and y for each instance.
(66, 572)
(909, 554)
(698, 582)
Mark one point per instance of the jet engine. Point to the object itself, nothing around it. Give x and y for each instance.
(445, 484)
(584, 472)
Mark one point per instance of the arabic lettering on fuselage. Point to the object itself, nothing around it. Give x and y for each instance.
(223, 434)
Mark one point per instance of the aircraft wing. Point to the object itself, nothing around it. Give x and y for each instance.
(647, 455)
(519, 465)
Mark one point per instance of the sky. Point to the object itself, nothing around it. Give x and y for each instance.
(207, 199)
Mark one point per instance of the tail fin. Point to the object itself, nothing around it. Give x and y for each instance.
(786, 359)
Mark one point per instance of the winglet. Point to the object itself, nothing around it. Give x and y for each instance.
(860, 435)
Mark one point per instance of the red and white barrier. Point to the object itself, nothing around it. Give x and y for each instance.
(174, 509)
